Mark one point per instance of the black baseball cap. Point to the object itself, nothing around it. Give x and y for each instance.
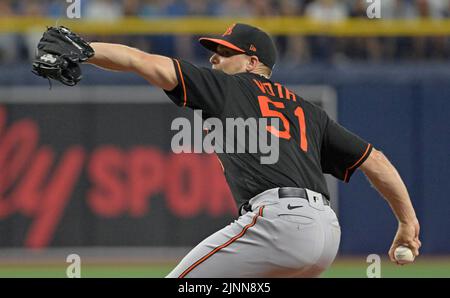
(246, 39)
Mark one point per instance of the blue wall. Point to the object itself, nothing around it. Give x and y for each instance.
(410, 123)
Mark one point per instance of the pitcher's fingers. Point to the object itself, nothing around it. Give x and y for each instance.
(414, 246)
(391, 255)
(419, 242)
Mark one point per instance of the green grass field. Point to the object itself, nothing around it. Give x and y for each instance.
(343, 267)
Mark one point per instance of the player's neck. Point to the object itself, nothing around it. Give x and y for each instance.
(262, 70)
(262, 74)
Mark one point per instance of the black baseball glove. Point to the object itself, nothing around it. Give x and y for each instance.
(59, 54)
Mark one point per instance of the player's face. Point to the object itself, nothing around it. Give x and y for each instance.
(229, 60)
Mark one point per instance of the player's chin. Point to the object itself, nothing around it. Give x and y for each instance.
(218, 67)
(224, 69)
(228, 71)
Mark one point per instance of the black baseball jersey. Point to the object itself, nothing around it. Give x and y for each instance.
(310, 143)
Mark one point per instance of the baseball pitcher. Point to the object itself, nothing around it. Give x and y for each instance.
(285, 226)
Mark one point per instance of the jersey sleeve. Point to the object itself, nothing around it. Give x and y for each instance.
(342, 151)
(201, 88)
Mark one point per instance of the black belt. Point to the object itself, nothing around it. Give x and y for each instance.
(295, 192)
(286, 192)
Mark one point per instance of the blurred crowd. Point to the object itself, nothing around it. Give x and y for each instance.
(293, 49)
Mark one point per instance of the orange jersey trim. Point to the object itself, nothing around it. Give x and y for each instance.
(192, 267)
(356, 163)
(182, 82)
(220, 162)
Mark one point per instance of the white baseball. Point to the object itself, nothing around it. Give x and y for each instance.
(403, 255)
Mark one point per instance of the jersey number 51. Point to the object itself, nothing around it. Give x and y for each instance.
(264, 102)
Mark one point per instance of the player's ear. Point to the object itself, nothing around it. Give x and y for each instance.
(213, 59)
(252, 63)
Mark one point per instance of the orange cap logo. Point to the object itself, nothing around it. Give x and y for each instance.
(229, 30)
(252, 48)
